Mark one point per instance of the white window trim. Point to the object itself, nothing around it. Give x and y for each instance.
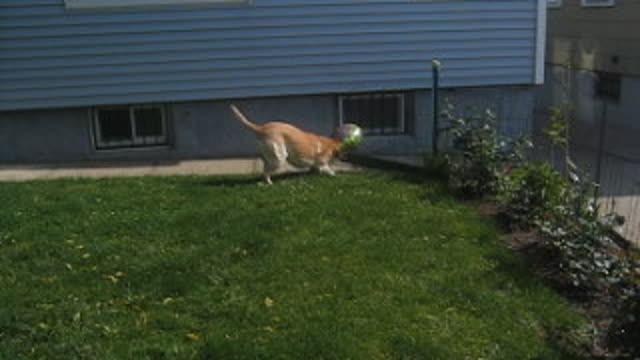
(554, 4)
(541, 37)
(137, 141)
(378, 131)
(607, 3)
(98, 4)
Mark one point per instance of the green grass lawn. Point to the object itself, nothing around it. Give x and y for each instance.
(368, 266)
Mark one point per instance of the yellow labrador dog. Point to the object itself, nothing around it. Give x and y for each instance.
(279, 142)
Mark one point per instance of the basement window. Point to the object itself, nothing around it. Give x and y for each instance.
(377, 113)
(130, 127)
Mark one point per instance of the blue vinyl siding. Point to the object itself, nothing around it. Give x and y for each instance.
(53, 57)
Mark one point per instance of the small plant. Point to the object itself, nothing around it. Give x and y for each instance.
(558, 126)
(530, 192)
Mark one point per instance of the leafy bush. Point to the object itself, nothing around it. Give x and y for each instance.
(531, 192)
(587, 247)
(586, 241)
(481, 154)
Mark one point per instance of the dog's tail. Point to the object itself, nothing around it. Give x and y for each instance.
(243, 118)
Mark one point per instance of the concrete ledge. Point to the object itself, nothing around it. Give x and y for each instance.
(416, 161)
(124, 169)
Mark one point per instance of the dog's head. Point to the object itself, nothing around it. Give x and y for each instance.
(349, 137)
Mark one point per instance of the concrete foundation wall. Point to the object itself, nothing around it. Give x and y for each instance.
(513, 106)
(208, 130)
(41, 135)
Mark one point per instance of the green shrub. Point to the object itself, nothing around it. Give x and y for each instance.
(531, 192)
(481, 154)
(586, 241)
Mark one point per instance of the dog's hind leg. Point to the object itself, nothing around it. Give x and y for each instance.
(273, 157)
(270, 168)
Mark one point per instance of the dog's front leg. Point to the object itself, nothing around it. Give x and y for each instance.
(326, 169)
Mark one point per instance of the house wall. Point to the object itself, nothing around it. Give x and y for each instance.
(578, 87)
(582, 41)
(595, 38)
(53, 57)
(206, 129)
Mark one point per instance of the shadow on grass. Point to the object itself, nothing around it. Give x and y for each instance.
(401, 172)
(255, 180)
(231, 181)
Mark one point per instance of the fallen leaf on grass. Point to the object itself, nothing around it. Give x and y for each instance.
(115, 277)
(50, 279)
(268, 302)
(167, 300)
(193, 336)
(112, 278)
(142, 320)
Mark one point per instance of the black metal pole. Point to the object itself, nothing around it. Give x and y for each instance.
(600, 154)
(435, 67)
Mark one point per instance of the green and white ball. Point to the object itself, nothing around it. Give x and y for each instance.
(350, 136)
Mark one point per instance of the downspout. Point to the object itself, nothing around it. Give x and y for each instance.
(435, 68)
(541, 37)
(603, 129)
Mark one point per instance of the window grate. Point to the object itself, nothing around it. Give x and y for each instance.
(609, 86)
(130, 127)
(376, 113)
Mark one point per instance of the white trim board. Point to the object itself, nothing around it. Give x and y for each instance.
(554, 4)
(541, 37)
(99, 4)
(597, 3)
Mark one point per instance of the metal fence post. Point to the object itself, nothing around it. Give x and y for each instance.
(435, 67)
